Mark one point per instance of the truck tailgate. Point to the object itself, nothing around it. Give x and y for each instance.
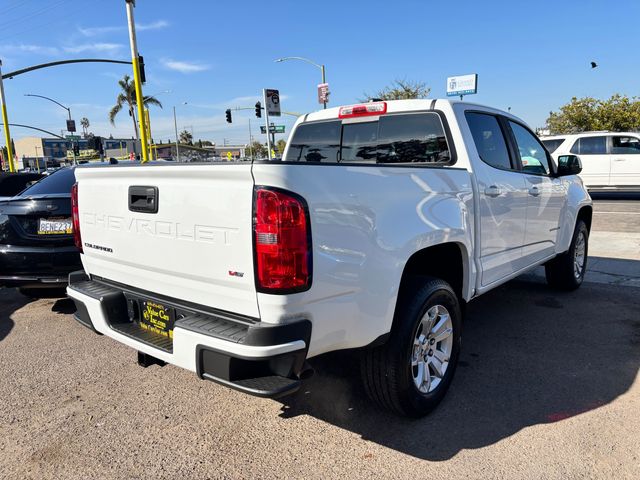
(197, 247)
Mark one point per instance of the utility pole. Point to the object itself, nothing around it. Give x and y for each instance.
(5, 121)
(175, 126)
(136, 78)
(250, 142)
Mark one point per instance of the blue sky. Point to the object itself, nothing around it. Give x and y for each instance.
(214, 55)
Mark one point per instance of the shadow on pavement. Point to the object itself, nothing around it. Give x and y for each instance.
(64, 306)
(615, 195)
(530, 356)
(10, 301)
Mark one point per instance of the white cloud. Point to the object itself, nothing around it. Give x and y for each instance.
(97, 31)
(157, 25)
(184, 67)
(28, 48)
(95, 47)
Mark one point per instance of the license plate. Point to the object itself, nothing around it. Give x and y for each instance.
(157, 318)
(55, 226)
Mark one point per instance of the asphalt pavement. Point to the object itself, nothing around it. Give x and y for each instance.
(547, 387)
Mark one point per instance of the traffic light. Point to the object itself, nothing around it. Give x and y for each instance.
(228, 114)
(258, 110)
(143, 77)
(76, 148)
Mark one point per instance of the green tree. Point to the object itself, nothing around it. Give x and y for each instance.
(127, 96)
(400, 90)
(618, 113)
(257, 150)
(280, 146)
(186, 137)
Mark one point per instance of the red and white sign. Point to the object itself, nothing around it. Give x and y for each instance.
(323, 93)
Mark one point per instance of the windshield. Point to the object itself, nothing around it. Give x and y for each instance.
(56, 183)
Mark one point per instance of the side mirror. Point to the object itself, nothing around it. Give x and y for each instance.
(569, 165)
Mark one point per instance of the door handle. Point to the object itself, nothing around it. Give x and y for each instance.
(534, 191)
(492, 191)
(619, 159)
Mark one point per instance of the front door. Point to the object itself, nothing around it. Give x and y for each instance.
(625, 161)
(502, 197)
(545, 196)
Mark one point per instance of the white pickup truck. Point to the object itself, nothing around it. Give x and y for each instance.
(379, 224)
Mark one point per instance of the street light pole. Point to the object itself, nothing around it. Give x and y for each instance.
(5, 121)
(303, 59)
(68, 109)
(136, 80)
(175, 126)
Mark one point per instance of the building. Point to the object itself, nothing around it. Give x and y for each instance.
(38, 152)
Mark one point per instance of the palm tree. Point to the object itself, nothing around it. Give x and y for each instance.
(186, 137)
(127, 96)
(84, 121)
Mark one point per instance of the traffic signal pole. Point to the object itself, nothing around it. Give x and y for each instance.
(137, 81)
(5, 121)
(266, 120)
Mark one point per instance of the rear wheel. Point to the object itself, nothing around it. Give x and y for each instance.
(566, 271)
(411, 373)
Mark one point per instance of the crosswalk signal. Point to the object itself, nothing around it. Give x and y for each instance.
(228, 114)
(258, 110)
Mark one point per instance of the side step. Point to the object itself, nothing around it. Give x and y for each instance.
(272, 386)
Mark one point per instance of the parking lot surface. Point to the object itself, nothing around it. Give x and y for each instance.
(547, 387)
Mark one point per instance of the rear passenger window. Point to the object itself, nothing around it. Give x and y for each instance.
(590, 146)
(489, 140)
(400, 138)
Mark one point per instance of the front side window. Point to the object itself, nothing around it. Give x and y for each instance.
(400, 138)
(590, 146)
(489, 140)
(625, 145)
(533, 156)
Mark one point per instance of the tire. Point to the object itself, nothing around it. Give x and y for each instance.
(390, 372)
(565, 272)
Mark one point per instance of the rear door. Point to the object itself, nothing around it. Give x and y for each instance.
(625, 161)
(503, 199)
(596, 162)
(545, 195)
(183, 231)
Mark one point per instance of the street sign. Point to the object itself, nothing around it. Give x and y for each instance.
(462, 85)
(323, 93)
(71, 125)
(272, 129)
(273, 102)
(73, 138)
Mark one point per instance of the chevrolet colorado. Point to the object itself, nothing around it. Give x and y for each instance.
(379, 224)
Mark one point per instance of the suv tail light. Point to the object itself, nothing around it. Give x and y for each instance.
(282, 241)
(362, 110)
(77, 239)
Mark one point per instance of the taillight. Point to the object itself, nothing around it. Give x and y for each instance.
(362, 110)
(75, 217)
(282, 242)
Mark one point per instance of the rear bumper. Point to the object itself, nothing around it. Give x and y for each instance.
(234, 351)
(37, 266)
